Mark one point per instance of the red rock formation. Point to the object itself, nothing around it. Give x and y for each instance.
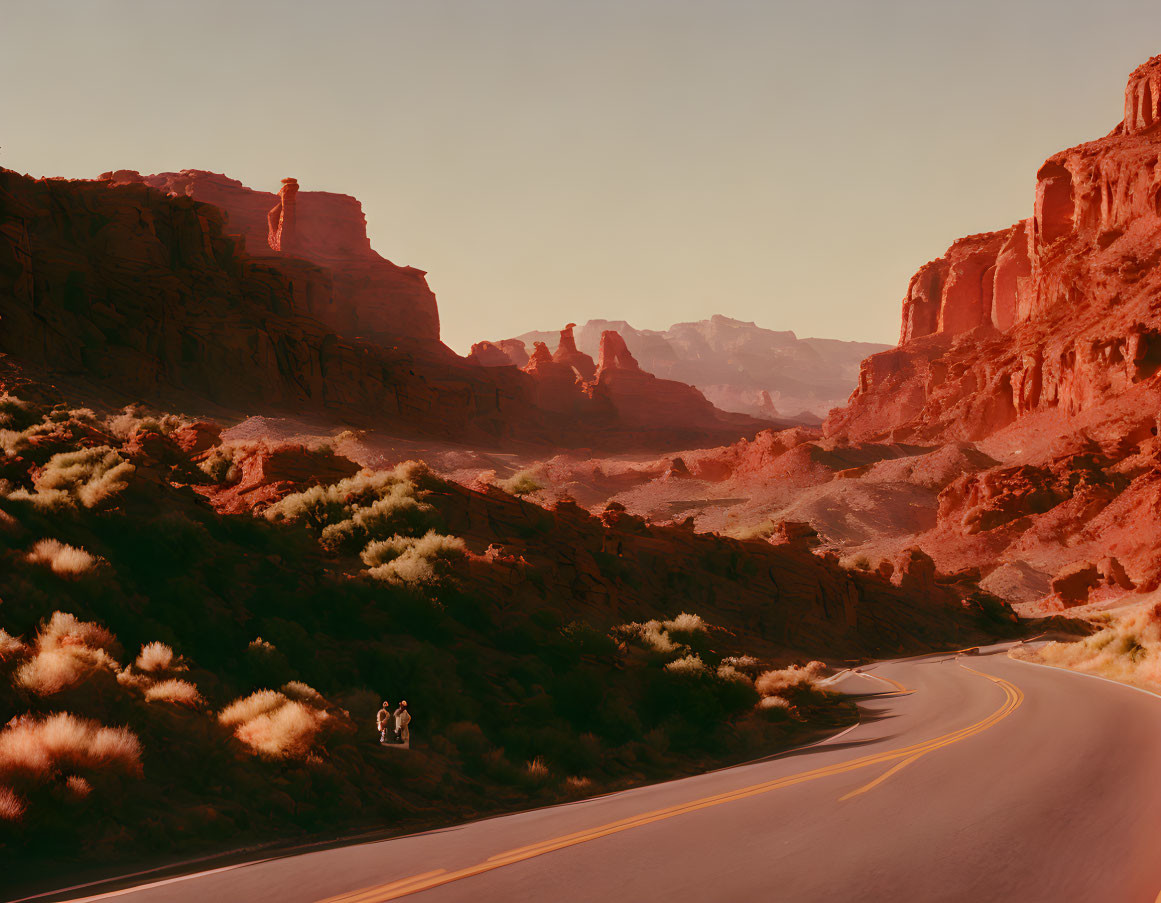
(486, 354)
(282, 220)
(369, 297)
(566, 353)
(1052, 316)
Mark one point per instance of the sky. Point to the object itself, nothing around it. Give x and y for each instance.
(547, 161)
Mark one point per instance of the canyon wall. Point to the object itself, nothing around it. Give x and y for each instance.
(371, 297)
(1054, 318)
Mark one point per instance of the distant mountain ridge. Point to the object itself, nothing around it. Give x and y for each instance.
(733, 362)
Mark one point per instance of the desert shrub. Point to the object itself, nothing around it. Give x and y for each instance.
(662, 636)
(521, 483)
(322, 506)
(17, 414)
(413, 562)
(12, 807)
(63, 560)
(397, 512)
(177, 691)
(727, 671)
(278, 725)
(89, 476)
(11, 648)
(155, 657)
(1127, 648)
(37, 747)
(219, 465)
(66, 653)
(689, 664)
(785, 681)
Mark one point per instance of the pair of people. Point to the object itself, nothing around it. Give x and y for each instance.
(393, 726)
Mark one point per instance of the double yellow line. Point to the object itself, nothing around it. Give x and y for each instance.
(903, 757)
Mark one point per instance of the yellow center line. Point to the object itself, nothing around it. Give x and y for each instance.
(908, 754)
(1013, 698)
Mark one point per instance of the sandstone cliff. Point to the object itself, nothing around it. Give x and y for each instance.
(371, 297)
(1053, 318)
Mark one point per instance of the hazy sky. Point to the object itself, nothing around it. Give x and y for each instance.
(790, 163)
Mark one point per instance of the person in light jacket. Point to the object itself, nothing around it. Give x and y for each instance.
(402, 719)
(385, 722)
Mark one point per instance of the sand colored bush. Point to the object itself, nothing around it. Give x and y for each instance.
(66, 653)
(727, 671)
(180, 692)
(689, 665)
(39, 747)
(63, 560)
(276, 726)
(413, 562)
(12, 807)
(1128, 649)
(524, 482)
(155, 657)
(321, 506)
(90, 476)
(786, 680)
(11, 648)
(658, 635)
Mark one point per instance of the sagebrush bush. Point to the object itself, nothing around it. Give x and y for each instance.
(276, 726)
(689, 664)
(66, 653)
(63, 560)
(524, 482)
(34, 747)
(155, 657)
(786, 680)
(90, 476)
(659, 636)
(413, 562)
(1128, 648)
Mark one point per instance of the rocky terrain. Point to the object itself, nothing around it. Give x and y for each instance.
(738, 366)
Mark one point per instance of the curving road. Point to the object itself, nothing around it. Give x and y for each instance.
(975, 778)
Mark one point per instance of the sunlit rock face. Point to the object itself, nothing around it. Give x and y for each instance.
(372, 298)
(1054, 316)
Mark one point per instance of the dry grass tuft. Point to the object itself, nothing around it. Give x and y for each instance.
(37, 748)
(155, 657)
(276, 726)
(1128, 649)
(787, 680)
(63, 560)
(66, 653)
(89, 475)
(11, 648)
(689, 664)
(180, 692)
(657, 635)
(12, 807)
(413, 562)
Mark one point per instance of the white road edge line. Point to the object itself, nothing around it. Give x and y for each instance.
(1107, 680)
(138, 887)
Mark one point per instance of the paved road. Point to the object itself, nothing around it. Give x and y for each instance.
(987, 780)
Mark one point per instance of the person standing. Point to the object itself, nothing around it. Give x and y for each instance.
(385, 722)
(402, 720)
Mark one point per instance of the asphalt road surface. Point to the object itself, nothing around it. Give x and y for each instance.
(975, 778)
